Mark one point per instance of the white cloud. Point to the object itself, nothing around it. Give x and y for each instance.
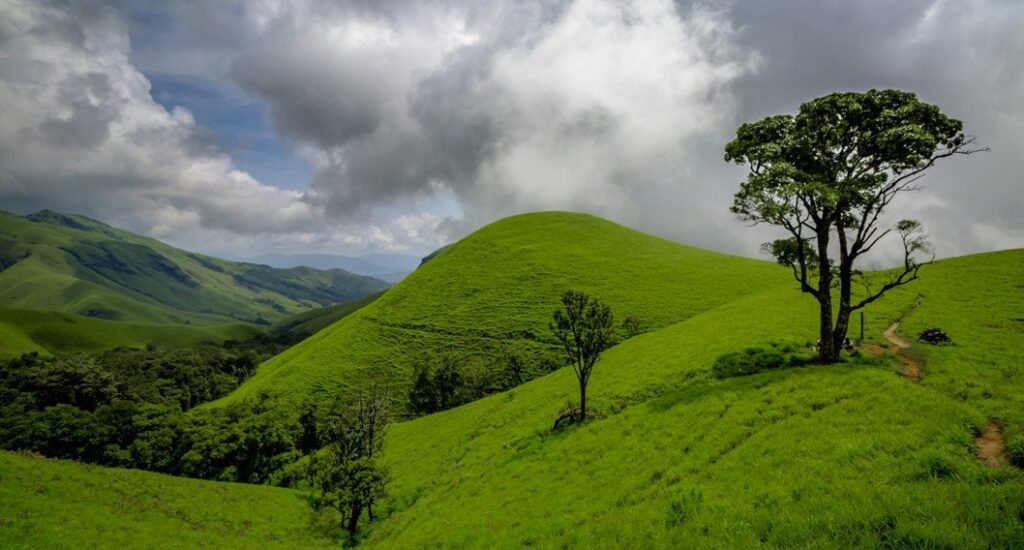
(81, 133)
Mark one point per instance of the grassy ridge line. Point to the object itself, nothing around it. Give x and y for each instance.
(69, 263)
(819, 456)
(502, 283)
(47, 332)
(60, 504)
(308, 323)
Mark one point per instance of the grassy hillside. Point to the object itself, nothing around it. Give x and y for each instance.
(852, 455)
(57, 504)
(501, 284)
(25, 331)
(849, 455)
(72, 264)
(300, 326)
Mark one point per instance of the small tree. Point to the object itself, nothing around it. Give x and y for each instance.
(436, 389)
(584, 327)
(632, 326)
(348, 477)
(515, 367)
(826, 175)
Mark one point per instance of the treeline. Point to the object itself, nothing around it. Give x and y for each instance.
(127, 408)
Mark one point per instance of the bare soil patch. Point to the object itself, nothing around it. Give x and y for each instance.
(991, 446)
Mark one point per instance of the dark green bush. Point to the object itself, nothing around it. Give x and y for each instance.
(1015, 450)
(754, 360)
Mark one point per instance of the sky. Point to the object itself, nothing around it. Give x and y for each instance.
(249, 127)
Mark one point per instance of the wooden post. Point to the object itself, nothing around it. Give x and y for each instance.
(862, 326)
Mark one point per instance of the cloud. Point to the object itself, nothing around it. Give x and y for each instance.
(425, 120)
(81, 133)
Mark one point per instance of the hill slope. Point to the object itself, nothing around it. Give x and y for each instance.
(840, 456)
(72, 264)
(58, 504)
(48, 332)
(501, 284)
(69, 283)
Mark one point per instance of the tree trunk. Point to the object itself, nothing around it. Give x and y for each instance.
(369, 512)
(843, 315)
(353, 520)
(583, 399)
(827, 352)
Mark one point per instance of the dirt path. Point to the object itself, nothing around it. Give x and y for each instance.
(991, 445)
(890, 335)
(911, 367)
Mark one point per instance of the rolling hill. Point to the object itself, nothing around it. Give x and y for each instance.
(65, 264)
(853, 455)
(61, 504)
(499, 286)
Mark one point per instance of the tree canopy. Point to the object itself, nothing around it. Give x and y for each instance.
(831, 170)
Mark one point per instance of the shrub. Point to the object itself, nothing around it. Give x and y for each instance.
(934, 336)
(1015, 450)
(632, 326)
(755, 360)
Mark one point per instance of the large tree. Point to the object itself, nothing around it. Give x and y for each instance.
(826, 176)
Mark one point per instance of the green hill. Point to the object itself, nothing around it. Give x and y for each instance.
(69, 264)
(25, 331)
(839, 456)
(300, 326)
(59, 504)
(500, 285)
(72, 264)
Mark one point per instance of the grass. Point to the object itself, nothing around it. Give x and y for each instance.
(303, 325)
(850, 455)
(58, 504)
(500, 285)
(24, 331)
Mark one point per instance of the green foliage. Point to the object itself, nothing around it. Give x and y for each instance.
(437, 388)
(755, 360)
(348, 477)
(632, 326)
(124, 408)
(826, 175)
(584, 329)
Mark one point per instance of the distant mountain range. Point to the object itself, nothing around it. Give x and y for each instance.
(50, 261)
(387, 267)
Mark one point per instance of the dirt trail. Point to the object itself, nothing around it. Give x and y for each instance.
(991, 445)
(890, 335)
(911, 367)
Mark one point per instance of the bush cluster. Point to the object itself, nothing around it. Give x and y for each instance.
(755, 359)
